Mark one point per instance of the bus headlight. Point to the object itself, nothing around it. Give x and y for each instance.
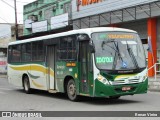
(103, 79)
(144, 78)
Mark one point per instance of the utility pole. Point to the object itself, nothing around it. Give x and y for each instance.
(16, 25)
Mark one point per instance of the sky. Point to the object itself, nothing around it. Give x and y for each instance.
(7, 13)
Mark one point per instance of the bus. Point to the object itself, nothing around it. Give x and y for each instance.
(95, 62)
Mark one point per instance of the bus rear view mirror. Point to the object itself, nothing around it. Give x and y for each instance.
(83, 37)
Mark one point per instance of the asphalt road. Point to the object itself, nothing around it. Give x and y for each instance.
(14, 99)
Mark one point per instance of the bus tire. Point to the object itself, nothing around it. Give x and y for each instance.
(26, 85)
(71, 90)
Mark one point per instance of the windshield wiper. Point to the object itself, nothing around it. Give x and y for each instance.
(132, 55)
(106, 43)
(116, 51)
(119, 57)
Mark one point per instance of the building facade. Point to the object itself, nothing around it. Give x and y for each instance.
(7, 34)
(142, 16)
(46, 15)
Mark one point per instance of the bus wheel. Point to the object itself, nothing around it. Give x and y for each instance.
(114, 97)
(26, 85)
(71, 90)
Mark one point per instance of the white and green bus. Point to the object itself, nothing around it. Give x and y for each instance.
(95, 62)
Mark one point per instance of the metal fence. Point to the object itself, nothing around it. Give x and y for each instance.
(156, 67)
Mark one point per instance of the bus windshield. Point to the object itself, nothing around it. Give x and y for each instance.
(118, 51)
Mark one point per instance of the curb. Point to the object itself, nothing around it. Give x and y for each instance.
(154, 90)
(3, 76)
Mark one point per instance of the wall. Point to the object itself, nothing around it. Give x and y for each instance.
(104, 6)
(158, 39)
(141, 28)
(7, 34)
(3, 61)
(44, 11)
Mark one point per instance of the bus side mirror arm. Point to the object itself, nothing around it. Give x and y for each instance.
(92, 47)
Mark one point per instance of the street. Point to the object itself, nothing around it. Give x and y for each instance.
(80, 47)
(14, 99)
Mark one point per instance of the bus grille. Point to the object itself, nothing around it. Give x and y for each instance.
(126, 81)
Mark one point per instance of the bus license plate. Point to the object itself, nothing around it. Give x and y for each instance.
(126, 88)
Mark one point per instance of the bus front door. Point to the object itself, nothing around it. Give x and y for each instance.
(83, 59)
(51, 66)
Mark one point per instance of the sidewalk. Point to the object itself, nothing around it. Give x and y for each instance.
(154, 85)
(3, 75)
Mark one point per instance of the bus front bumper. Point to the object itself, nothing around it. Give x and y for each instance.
(102, 90)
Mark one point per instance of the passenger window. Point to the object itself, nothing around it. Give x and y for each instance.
(67, 48)
(9, 54)
(37, 51)
(26, 52)
(16, 53)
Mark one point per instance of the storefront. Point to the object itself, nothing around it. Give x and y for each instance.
(139, 15)
(5, 38)
(3, 60)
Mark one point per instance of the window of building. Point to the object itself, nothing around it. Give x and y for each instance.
(40, 14)
(66, 8)
(54, 9)
(3, 52)
(61, 6)
(48, 14)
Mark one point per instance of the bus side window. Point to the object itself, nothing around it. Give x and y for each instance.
(67, 48)
(63, 48)
(90, 62)
(26, 52)
(9, 54)
(16, 53)
(37, 51)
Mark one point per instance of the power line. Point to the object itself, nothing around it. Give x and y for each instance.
(4, 20)
(16, 25)
(15, 9)
(7, 4)
(5, 36)
(20, 1)
(2, 30)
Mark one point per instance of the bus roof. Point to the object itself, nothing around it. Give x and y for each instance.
(79, 31)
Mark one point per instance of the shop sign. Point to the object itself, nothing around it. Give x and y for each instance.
(86, 3)
(89, 2)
